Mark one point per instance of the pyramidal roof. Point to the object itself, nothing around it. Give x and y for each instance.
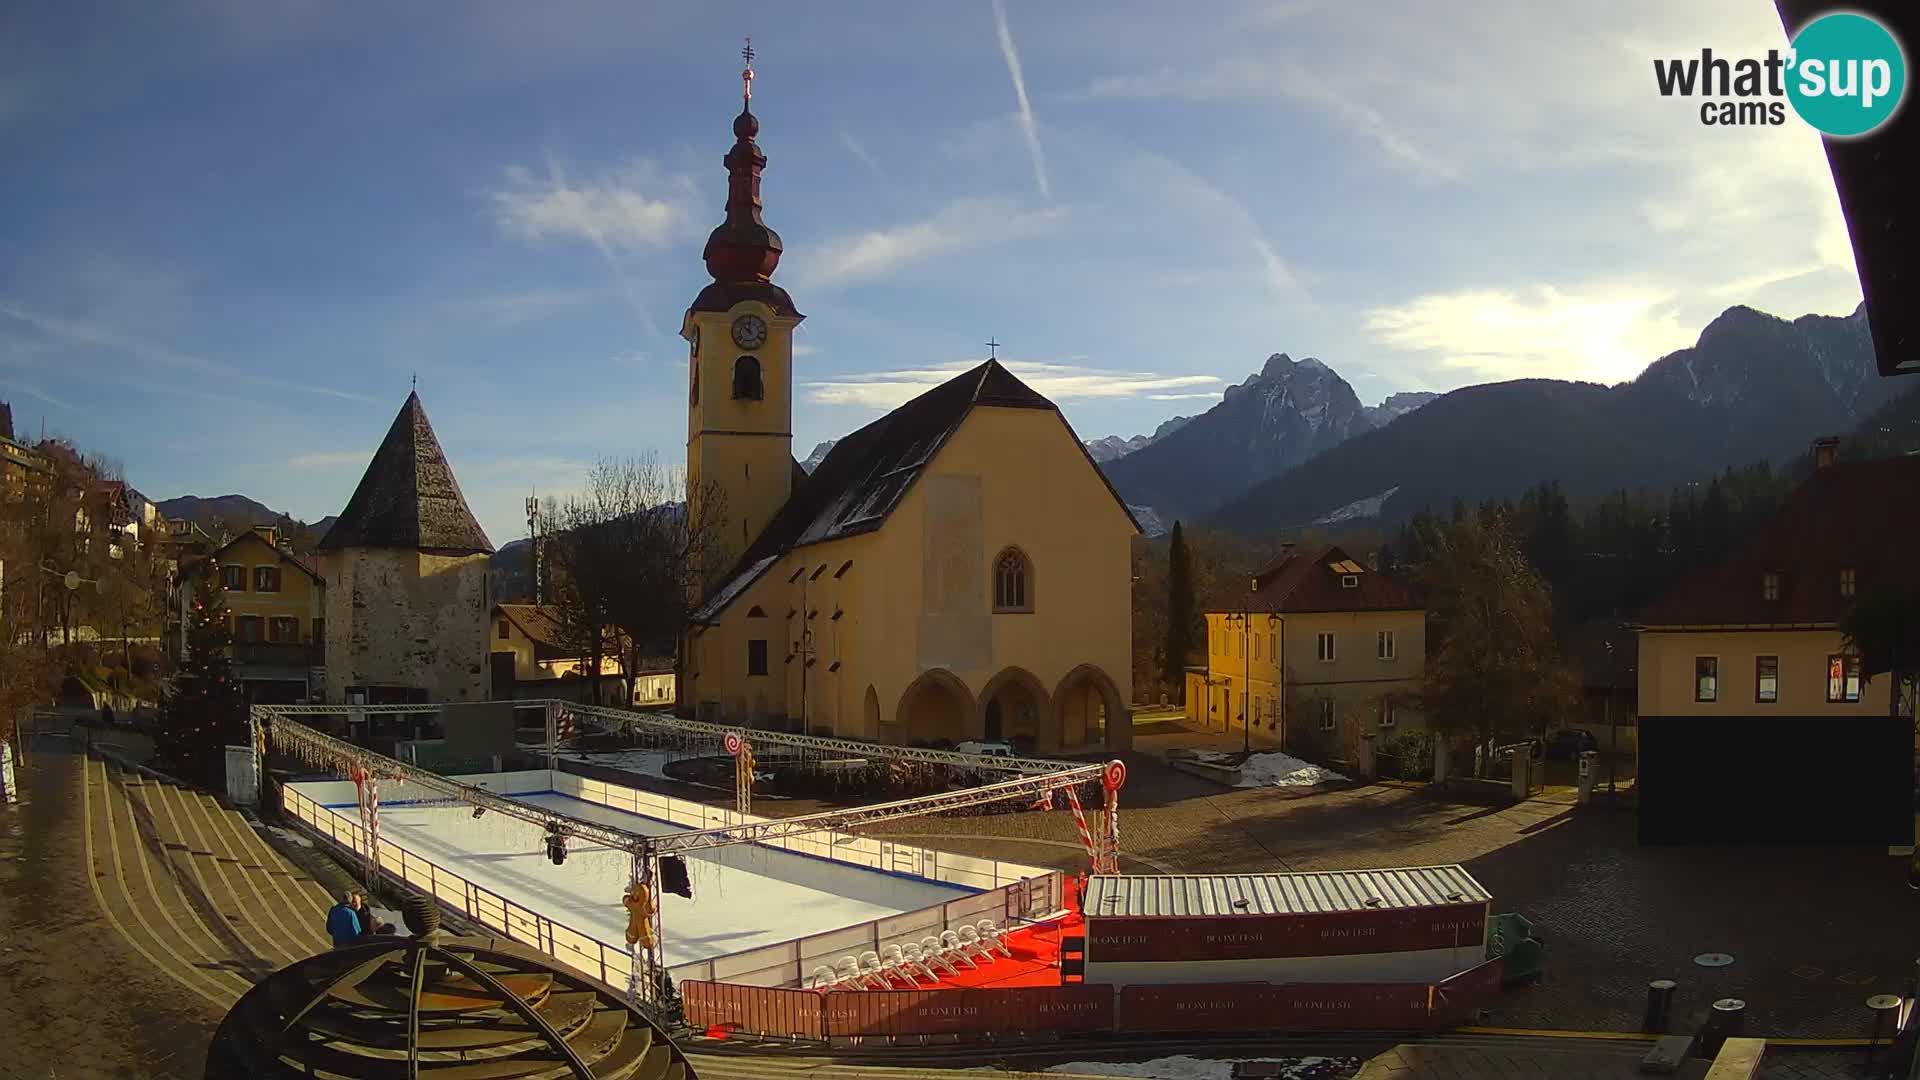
(408, 497)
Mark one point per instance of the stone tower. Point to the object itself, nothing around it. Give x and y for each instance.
(407, 578)
(740, 363)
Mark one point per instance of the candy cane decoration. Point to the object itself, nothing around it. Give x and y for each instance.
(1111, 780)
(1086, 835)
(373, 831)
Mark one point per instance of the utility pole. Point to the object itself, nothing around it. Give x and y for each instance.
(533, 546)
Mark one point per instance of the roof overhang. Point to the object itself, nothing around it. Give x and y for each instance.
(1747, 628)
(1875, 176)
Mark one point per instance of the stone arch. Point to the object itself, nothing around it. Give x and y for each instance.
(1015, 703)
(870, 713)
(1078, 701)
(746, 379)
(937, 705)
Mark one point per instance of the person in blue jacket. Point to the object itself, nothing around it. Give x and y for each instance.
(343, 921)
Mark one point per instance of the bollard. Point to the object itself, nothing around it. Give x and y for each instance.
(1886, 1014)
(1723, 1023)
(1659, 1006)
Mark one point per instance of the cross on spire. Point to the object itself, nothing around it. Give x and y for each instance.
(993, 350)
(746, 73)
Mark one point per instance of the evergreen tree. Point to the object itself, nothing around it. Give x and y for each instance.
(1180, 613)
(204, 710)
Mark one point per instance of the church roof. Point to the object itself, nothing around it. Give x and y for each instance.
(860, 481)
(408, 497)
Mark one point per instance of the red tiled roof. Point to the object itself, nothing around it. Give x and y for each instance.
(1300, 583)
(1861, 515)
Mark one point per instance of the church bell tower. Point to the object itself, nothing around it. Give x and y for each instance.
(739, 333)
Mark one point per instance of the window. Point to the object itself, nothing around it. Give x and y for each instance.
(693, 391)
(1766, 678)
(1012, 582)
(1383, 647)
(1706, 678)
(266, 579)
(1256, 646)
(1256, 712)
(234, 578)
(283, 629)
(249, 626)
(1770, 585)
(757, 656)
(1323, 644)
(502, 631)
(1387, 718)
(1326, 714)
(1849, 581)
(746, 379)
(1349, 581)
(1273, 644)
(1273, 711)
(1843, 679)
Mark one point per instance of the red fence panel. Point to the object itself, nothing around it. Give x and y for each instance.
(754, 1010)
(1274, 1007)
(969, 1012)
(1457, 998)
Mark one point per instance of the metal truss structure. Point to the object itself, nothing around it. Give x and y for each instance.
(292, 735)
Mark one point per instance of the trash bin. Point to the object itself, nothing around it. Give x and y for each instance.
(1510, 939)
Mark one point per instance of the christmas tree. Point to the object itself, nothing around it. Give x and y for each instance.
(204, 710)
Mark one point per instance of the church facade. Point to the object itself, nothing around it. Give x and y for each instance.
(958, 569)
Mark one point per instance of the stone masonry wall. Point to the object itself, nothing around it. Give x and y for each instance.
(402, 618)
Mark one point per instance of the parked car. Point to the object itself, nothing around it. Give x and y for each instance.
(1569, 743)
(986, 749)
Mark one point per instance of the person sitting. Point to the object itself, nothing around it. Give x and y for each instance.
(343, 921)
(370, 924)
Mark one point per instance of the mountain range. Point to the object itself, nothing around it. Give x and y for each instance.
(236, 512)
(1753, 387)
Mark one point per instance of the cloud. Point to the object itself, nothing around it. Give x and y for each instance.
(631, 208)
(1028, 127)
(512, 309)
(1601, 335)
(1246, 79)
(78, 332)
(859, 150)
(801, 348)
(330, 459)
(964, 225)
(1059, 382)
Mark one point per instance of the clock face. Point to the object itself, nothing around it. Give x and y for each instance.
(749, 331)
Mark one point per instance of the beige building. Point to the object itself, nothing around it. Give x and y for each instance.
(276, 615)
(1323, 652)
(407, 579)
(1756, 722)
(529, 648)
(957, 569)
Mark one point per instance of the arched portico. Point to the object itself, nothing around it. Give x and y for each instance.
(1085, 701)
(1014, 703)
(937, 705)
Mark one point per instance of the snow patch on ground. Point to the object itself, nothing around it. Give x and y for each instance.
(1182, 1067)
(1358, 509)
(288, 835)
(1274, 769)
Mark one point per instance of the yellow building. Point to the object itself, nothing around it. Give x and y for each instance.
(1322, 652)
(529, 648)
(276, 615)
(957, 569)
(1756, 722)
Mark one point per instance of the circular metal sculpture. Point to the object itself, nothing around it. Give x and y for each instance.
(439, 1007)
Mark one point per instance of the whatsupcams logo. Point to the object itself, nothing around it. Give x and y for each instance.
(1844, 74)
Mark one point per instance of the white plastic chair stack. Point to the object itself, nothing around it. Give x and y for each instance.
(895, 962)
(992, 936)
(850, 973)
(874, 970)
(823, 977)
(970, 938)
(916, 962)
(934, 955)
(953, 948)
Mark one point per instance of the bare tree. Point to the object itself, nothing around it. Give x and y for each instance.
(627, 562)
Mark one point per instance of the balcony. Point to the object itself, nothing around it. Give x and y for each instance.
(280, 654)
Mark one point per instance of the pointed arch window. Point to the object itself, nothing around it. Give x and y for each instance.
(1012, 582)
(746, 379)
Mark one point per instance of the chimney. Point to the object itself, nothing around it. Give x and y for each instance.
(1825, 448)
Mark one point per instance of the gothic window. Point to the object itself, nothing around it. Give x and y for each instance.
(1012, 582)
(746, 379)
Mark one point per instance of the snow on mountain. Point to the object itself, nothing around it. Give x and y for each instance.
(819, 454)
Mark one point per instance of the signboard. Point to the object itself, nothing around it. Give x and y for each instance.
(1118, 939)
(1275, 1007)
(971, 1011)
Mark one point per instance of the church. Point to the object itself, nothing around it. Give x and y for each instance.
(958, 569)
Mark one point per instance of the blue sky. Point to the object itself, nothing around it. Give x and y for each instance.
(235, 229)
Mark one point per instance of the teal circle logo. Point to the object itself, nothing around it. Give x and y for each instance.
(1846, 74)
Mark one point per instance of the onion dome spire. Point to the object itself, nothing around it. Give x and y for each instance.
(743, 249)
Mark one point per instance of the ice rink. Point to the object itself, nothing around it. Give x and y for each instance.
(744, 896)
